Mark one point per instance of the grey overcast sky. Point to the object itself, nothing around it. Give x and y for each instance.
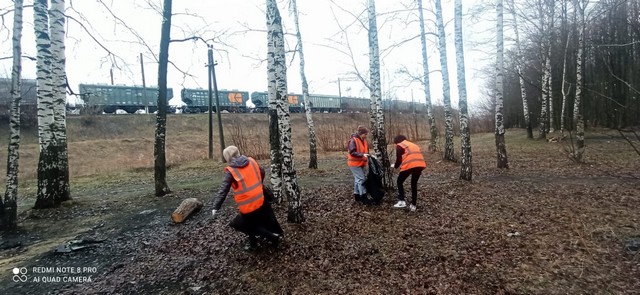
(240, 42)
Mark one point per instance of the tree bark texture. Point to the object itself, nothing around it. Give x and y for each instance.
(466, 169)
(427, 85)
(9, 205)
(279, 68)
(313, 154)
(448, 121)
(160, 165)
(501, 149)
(376, 96)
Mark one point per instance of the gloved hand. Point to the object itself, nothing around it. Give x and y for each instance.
(366, 155)
(213, 213)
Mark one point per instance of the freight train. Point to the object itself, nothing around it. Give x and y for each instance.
(335, 104)
(132, 99)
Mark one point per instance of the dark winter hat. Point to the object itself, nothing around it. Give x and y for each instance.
(362, 130)
(400, 138)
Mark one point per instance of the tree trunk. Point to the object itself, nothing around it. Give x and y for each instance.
(427, 85)
(185, 209)
(278, 69)
(376, 96)
(577, 112)
(523, 90)
(313, 154)
(8, 206)
(549, 67)
(275, 153)
(448, 121)
(160, 167)
(53, 173)
(466, 171)
(565, 85)
(501, 149)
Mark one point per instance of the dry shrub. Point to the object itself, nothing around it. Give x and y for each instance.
(251, 139)
(332, 136)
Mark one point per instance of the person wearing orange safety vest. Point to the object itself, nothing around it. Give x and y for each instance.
(411, 162)
(358, 152)
(256, 218)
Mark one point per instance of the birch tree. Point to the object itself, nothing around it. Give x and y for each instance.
(427, 85)
(466, 171)
(549, 68)
(523, 90)
(53, 169)
(9, 206)
(565, 85)
(448, 121)
(277, 71)
(501, 149)
(275, 152)
(313, 155)
(578, 121)
(380, 141)
(160, 163)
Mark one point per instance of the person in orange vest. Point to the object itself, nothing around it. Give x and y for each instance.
(256, 217)
(411, 162)
(357, 160)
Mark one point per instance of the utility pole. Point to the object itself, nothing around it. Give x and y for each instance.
(209, 67)
(111, 74)
(339, 89)
(212, 76)
(144, 87)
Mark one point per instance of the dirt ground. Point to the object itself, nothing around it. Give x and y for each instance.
(545, 226)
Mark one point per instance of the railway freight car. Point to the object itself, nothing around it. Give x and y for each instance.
(29, 91)
(109, 98)
(197, 100)
(261, 102)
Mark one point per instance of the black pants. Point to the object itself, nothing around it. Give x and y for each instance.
(415, 175)
(261, 222)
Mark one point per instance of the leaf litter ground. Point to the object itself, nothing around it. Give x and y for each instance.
(545, 226)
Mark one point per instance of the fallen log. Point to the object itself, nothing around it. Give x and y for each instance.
(187, 207)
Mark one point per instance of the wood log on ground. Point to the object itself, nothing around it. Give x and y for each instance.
(187, 207)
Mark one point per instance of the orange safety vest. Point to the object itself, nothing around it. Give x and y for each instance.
(412, 156)
(247, 188)
(361, 147)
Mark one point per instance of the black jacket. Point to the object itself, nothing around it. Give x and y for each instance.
(225, 186)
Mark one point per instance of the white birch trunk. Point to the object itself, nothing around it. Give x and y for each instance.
(523, 90)
(448, 121)
(9, 206)
(313, 155)
(53, 173)
(375, 85)
(501, 149)
(43, 71)
(275, 154)
(59, 87)
(427, 85)
(566, 87)
(279, 67)
(577, 112)
(550, 88)
(466, 169)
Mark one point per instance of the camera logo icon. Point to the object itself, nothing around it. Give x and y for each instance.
(20, 274)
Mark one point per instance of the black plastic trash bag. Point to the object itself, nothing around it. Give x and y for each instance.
(373, 184)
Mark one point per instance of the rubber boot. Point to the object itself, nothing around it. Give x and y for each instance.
(357, 198)
(364, 199)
